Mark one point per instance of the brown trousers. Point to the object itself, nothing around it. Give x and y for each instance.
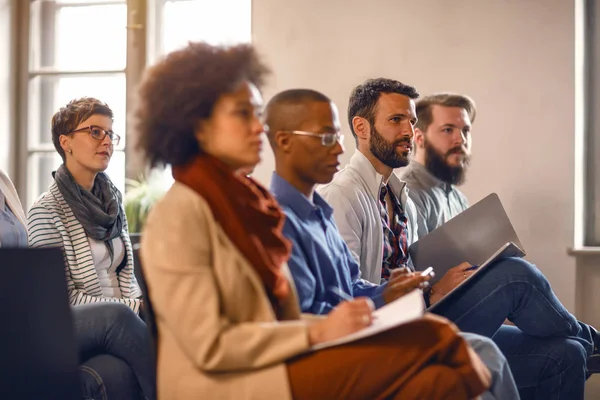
(425, 359)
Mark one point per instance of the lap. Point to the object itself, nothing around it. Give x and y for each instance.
(379, 365)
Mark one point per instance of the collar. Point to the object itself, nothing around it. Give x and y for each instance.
(428, 178)
(373, 179)
(290, 197)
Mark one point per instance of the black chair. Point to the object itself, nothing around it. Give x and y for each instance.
(38, 352)
(147, 313)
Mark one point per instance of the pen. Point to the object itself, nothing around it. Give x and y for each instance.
(340, 293)
(472, 268)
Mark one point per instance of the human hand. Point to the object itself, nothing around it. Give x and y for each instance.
(452, 278)
(402, 281)
(348, 317)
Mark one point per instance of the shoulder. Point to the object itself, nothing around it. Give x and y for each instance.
(179, 208)
(343, 189)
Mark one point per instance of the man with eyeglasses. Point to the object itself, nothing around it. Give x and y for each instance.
(303, 130)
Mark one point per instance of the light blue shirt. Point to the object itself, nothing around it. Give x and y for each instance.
(12, 232)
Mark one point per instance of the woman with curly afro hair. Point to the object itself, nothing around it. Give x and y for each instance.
(214, 257)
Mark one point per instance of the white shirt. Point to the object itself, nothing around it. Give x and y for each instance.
(107, 271)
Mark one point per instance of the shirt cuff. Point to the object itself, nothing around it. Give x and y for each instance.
(378, 296)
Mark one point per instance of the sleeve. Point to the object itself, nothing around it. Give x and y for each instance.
(420, 224)
(304, 278)
(43, 232)
(346, 219)
(180, 269)
(134, 287)
(363, 288)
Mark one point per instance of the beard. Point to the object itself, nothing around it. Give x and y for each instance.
(387, 152)
(436, 164)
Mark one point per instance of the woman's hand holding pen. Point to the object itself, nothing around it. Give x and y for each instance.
(348, 317)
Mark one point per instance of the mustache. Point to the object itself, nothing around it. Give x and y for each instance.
(404, 141)
(456, 150)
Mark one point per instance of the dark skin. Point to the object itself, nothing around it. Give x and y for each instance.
(304, 162)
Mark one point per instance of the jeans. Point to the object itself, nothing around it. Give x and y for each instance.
(503, 384)
(114, 347)
(106, 377)
(547, 333)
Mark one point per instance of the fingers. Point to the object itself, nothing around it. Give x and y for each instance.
(399, 272)
(461, 267)
(409, 283)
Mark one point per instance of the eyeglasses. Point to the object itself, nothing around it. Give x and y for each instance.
(98, 133)
(327, 139)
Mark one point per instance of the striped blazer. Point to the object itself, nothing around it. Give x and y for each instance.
(51, 223)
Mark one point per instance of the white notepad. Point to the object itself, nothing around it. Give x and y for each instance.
(401, 311)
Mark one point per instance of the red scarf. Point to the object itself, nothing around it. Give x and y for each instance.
(249, 215)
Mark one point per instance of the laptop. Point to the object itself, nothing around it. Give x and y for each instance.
(480, 235)
(38, 354)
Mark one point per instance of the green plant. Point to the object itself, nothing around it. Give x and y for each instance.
(139, 198)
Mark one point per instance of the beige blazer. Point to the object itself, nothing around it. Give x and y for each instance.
(218, 335)
(12, 198)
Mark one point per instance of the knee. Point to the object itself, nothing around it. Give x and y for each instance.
(114, 314)
(571, 354)
(518, 268)
(485, 347)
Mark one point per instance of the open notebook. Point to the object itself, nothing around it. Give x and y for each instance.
(401, 311)
(480, 235)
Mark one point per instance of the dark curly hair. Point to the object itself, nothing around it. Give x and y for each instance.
(182, 89)
(68, 117)
(363, 98)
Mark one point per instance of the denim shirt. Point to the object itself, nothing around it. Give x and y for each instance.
(12, 232)
(320, 257)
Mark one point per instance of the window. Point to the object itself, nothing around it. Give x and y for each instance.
(76, 48)
(97, 48)
(592, 125)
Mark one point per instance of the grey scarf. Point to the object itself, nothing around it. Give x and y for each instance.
(98, 210)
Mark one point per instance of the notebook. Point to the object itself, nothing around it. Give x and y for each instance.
(480, 235)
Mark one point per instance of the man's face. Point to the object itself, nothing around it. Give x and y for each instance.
(447, 144)
(314, 162)
(393, 129)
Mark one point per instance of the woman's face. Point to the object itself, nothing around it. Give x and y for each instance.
(233, 132)
(83, 150)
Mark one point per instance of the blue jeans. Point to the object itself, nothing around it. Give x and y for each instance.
(547, 333)
(503, 385)
(114, 347)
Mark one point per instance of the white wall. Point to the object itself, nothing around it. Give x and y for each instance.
(514, 57)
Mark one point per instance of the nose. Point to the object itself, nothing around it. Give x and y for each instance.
(338, 148)
(408, 130)
(257, 125)
(460, 138)
(107, 141)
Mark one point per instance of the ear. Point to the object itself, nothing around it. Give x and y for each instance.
(283, 141)
(65, 143)
(201, 131)
(419, 138)
(361, 127)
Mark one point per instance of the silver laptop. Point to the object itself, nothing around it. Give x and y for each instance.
(478, 235)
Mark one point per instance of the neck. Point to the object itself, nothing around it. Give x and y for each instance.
(380, 167)
(84, 177)
(302, 186)
(419, 156)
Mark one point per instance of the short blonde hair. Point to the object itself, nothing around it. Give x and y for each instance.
(425, 105)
